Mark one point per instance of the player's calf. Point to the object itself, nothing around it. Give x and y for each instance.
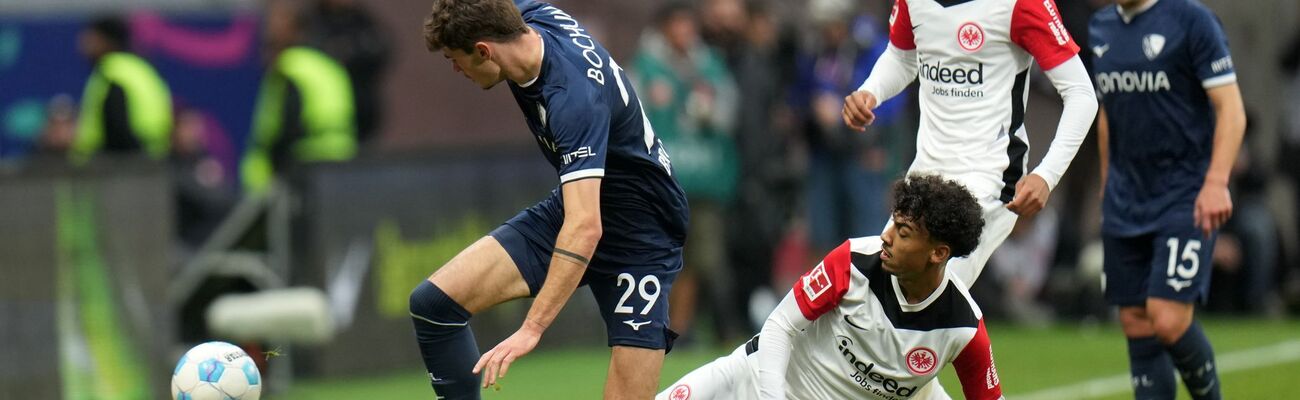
(1194, 358)
(446, 342)
(633, 372)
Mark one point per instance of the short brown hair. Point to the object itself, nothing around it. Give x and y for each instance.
(458, 24)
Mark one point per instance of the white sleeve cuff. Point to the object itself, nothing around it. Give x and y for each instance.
(1219, 81)
(581, 174)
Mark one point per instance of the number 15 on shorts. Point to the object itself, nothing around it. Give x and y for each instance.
(1183, 266)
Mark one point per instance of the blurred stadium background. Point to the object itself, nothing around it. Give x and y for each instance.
(109, 267)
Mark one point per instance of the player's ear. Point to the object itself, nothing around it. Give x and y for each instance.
(940, 253)
(483, 50)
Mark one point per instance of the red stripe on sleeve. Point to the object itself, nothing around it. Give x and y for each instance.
(900, 27)
(818, 291)
(1036, 27)
(975, 369)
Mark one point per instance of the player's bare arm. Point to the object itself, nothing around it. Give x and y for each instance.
(573, 250)
(1213, 203)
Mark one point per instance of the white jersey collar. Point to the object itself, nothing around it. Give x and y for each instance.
(907, 307)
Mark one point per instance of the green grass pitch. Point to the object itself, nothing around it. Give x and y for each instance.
(1028, 360)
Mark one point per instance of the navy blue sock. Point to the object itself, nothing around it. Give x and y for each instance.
(446, 343)
(1194, 358)
(1151, 370)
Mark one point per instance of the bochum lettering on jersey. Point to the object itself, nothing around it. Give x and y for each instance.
(583, 41)
(863, 375)
(940, 73)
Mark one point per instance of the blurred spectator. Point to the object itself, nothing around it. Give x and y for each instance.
(126, 106)
(305, 109)
(204, 192)
(346, 31)
(847, 171)
(724, 25)
(1290, 144)
(765, 189)
(60, 125)
(691, 100)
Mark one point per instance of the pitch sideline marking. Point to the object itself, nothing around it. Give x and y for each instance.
(1258, 357)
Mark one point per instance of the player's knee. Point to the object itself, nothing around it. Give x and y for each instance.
(1169, 328)
(429, 304)
(1135, 322)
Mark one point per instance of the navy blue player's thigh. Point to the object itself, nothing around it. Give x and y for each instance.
(529, 239)
(1181, 264)
(1127, 266)
(633, 297)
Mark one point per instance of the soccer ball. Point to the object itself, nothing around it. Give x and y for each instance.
(216, 371)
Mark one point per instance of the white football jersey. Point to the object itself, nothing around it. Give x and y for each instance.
(866, 341)
(860, 339)
(973, 59)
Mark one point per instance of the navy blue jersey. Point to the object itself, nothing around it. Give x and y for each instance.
(1153, 70)
(589, 124)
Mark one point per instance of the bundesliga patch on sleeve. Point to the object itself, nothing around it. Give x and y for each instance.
(816, 282)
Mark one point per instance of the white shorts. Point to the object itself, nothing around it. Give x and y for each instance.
(730, 377)
(735, 377)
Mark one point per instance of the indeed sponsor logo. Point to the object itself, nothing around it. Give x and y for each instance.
(937, 72)
(1133, 81)
(863, 375)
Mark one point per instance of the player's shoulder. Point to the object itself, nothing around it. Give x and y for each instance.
(1105, 17)
(1192, 10)
(963, 302)
(565, 84)
(863, 253)
(866, 245)
(530, 9)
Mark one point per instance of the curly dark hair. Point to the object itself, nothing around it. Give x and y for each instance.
(947, 210)
(458, 24)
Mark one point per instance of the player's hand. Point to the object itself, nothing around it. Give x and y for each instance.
(1031, 196)
(858, 108)
(497, 361)
(1213, 207)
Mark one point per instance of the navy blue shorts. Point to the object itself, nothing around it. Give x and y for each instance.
(1173, 263)
(631, 287)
